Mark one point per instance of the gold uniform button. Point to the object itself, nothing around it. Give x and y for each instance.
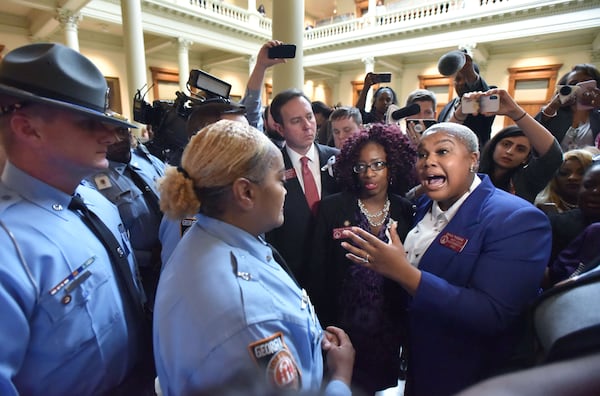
(66, 299)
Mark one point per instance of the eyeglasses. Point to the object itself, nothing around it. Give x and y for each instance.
(376, 166)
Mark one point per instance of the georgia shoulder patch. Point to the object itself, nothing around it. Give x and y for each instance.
(272, 355)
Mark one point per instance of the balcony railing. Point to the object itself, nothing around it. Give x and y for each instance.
(394, 18)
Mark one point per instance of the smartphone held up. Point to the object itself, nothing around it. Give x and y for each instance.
(570, 94)
(283, 51)
(485, 104)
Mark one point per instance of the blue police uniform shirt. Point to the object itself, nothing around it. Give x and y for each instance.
(139, 218)
(223, 306)
(64, 327)
(170, 233)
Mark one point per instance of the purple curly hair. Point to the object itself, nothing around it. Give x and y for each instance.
(400, 152)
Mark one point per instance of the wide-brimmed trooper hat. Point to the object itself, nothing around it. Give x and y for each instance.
(56, 75)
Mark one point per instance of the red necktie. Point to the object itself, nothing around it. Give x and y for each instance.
(310, 187)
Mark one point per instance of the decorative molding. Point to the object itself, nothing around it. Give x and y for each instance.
(68, 18)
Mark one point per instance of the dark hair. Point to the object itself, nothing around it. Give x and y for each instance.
(400, 152)
(207, 113)
(588, 69)
(281, 99)
(378, 92)
(487, 164)
(319, 107)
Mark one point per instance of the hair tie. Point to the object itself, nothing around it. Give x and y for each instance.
(183, 172)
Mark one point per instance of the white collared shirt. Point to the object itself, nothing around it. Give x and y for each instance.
(313, 164)
(420, 237)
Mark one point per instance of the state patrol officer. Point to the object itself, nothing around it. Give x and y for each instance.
(224, 305)
(70, 319)
(130, 183)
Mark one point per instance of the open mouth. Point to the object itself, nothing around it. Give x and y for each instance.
(433, 181)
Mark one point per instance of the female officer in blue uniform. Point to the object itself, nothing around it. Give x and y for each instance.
(224, 305)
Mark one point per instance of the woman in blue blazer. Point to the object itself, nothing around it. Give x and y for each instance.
(471, 264)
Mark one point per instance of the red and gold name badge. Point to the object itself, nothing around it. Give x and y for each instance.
(272, 355)
(454, 242)
(290, 174)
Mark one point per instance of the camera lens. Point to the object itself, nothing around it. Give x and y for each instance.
(418, 128)
(565, 90)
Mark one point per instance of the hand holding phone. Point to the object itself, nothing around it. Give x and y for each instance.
(384, 77)
(484, 104)
(419, 125)
(285, 51)
(566, 93)
(585, 88)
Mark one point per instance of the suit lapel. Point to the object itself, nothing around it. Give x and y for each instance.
(328, 184)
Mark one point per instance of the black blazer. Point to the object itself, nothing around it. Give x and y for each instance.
(294, 237)
(480, 124)
(328, 266)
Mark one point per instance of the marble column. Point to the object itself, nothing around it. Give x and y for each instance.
(69, 22)
(369, 63)
(288, 26)
(184, 62)
(135, 56)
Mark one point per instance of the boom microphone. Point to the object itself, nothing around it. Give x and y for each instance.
(406, 111)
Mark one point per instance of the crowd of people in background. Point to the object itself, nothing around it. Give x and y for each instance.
(313, 248)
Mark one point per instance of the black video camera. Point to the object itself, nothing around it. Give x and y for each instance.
(168, 118)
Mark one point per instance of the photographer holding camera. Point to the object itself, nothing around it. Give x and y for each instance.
(575, 124)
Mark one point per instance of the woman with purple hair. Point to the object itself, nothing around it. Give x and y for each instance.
(368, 305)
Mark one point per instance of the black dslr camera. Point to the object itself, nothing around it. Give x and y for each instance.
(167, 118)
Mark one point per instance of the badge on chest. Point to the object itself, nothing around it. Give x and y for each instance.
(453, 241)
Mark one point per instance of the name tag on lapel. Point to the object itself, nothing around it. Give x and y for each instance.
(290, 174)
(454, 242)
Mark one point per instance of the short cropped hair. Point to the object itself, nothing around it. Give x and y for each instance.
(421, 95)
(461, 132)
(346, 112)
(281, 99)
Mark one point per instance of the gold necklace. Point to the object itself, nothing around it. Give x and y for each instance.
(371, 217)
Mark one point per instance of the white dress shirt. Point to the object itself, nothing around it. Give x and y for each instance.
(420, 237)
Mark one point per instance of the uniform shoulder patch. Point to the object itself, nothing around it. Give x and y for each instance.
(273, 356)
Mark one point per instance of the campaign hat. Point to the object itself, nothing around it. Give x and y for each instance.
(56, 75)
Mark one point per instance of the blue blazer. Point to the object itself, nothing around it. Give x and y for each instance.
(463, 316)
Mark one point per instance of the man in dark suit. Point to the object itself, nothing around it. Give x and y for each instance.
(295, 121)
(466, 78)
